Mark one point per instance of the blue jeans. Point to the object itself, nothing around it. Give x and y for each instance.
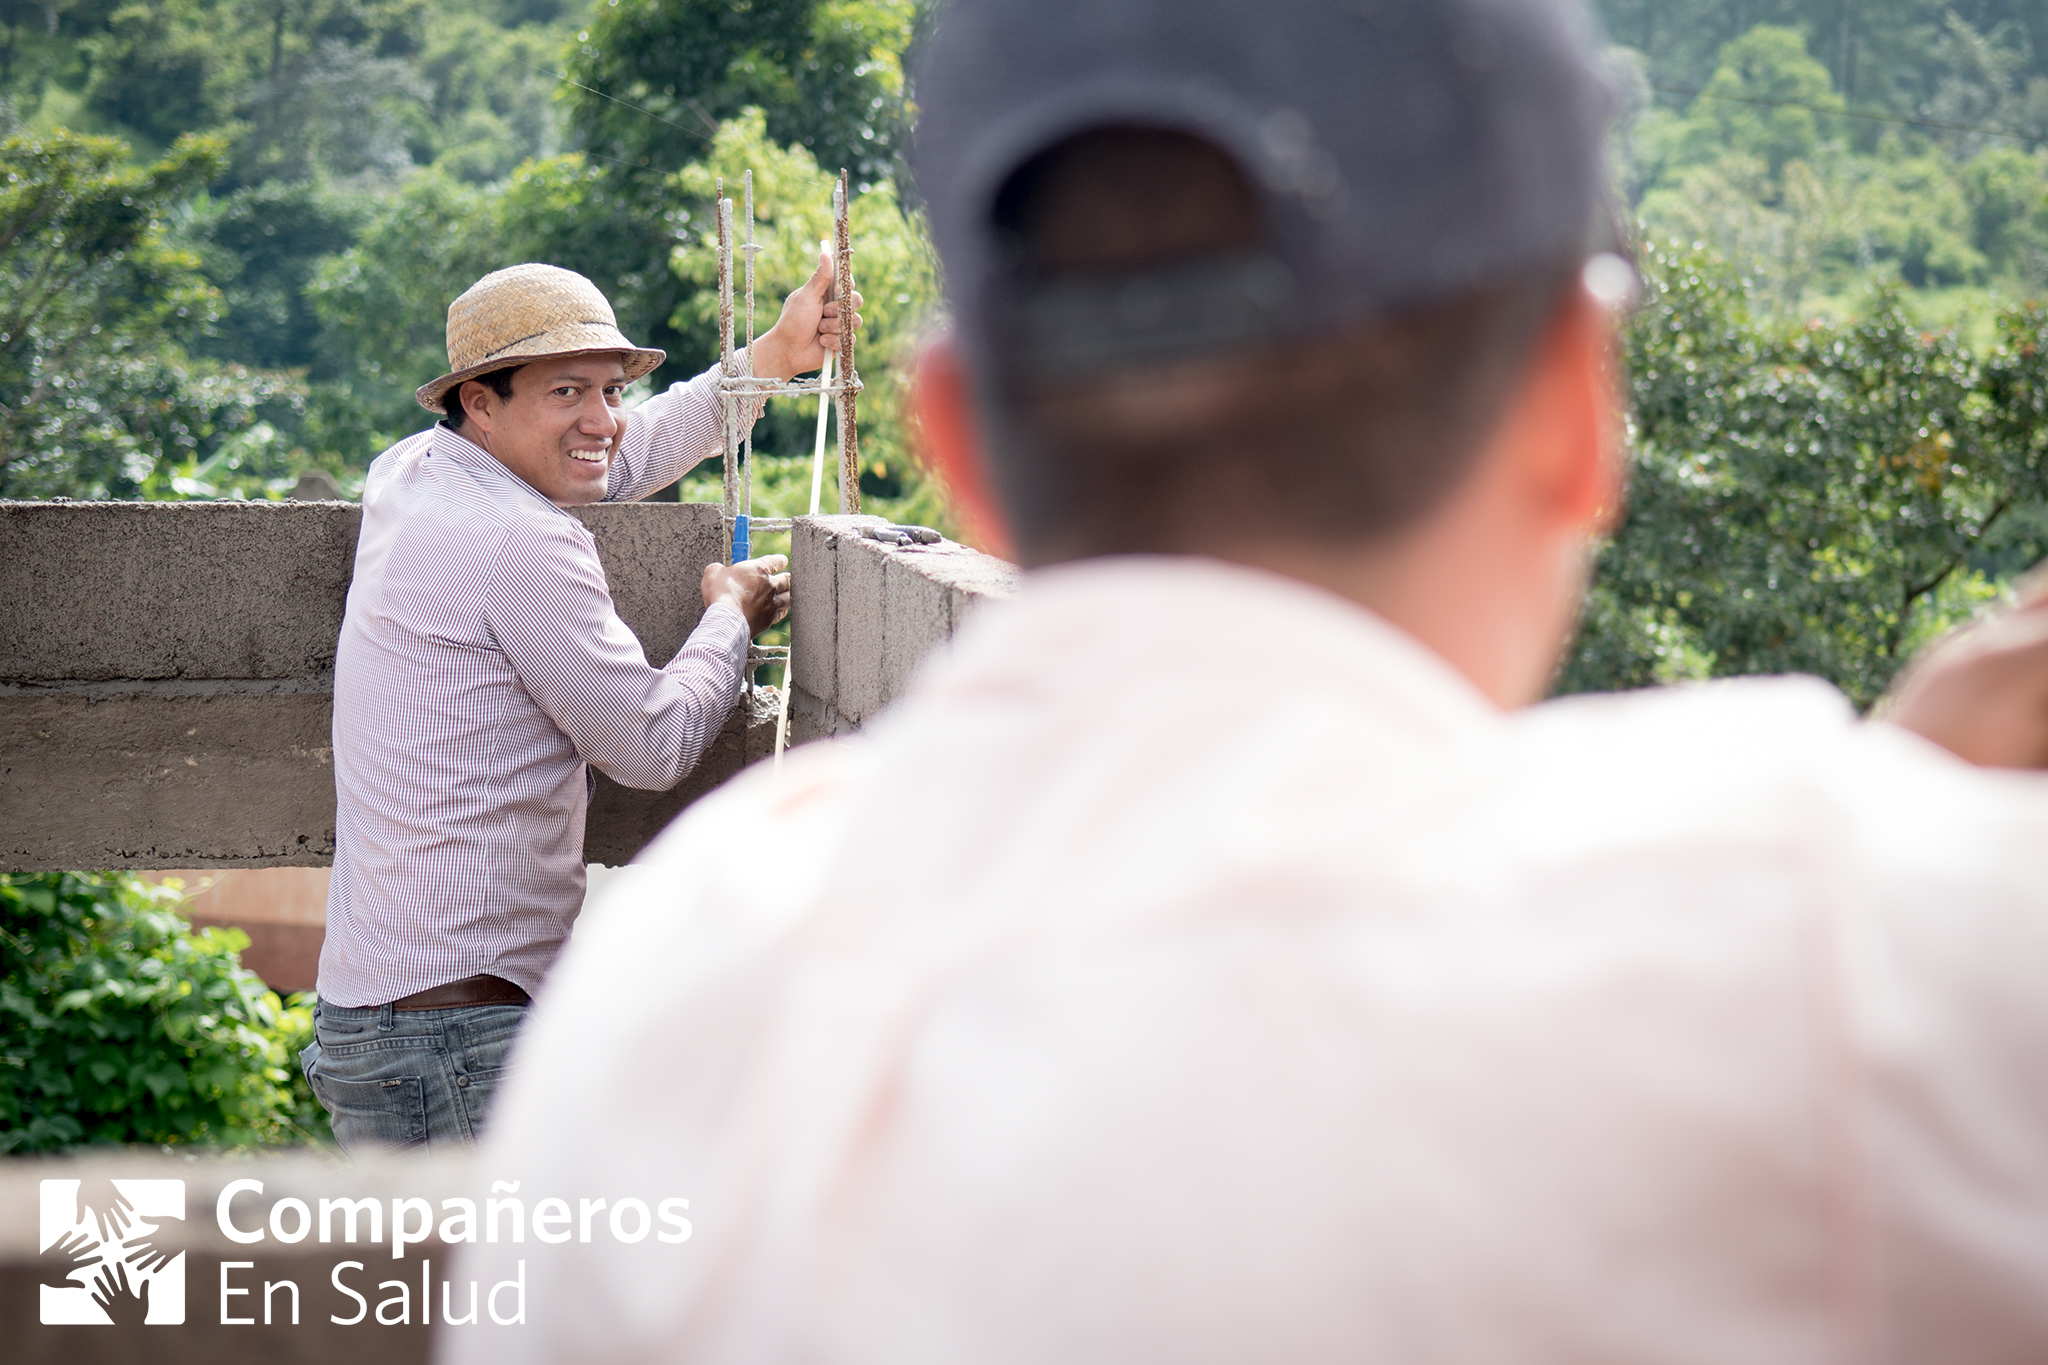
(397, 1079)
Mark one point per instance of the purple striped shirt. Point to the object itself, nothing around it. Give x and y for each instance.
(481, 667)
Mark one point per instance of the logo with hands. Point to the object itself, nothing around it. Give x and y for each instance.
(101, 1263)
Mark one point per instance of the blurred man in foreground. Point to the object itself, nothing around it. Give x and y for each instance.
(1217, 957)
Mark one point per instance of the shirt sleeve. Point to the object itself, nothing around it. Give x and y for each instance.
(551, 613)
(672, 432)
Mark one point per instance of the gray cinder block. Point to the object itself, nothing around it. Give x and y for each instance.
(883, 605)
(166, 669)
(138, 590)
(858, 628)
(654, 555)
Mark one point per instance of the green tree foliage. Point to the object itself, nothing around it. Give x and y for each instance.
(826, 73)
(259, 246)
(1755, 104)
(2003, 187)
(315, 85)
(1876, 51)
(491, 87)
(353, 125)
(385, 299)
(95, 307)
(894, 269)
(654, 80)
(1814, 206)
(384, 153)
(1817, 499)
(118, 1024)
(325, 107)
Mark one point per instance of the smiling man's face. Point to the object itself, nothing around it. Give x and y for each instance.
(557, 429)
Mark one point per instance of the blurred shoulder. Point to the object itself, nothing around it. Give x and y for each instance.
(1759, 713)
(1783, 761)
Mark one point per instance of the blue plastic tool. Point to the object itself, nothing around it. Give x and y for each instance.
(740, 539)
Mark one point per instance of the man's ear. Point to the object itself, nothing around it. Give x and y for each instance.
(476, 404)
(1564, 423)
(942, 397)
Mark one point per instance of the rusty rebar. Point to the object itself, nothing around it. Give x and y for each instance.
(746, 508)
(728, 402)
(849, 379)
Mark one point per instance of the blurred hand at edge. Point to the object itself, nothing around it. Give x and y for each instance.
(1982, 691)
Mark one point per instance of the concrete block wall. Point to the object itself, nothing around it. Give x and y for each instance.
(166, 672)
(865, 613)
(167, 669)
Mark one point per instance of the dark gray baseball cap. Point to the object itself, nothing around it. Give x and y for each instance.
(1405, 151)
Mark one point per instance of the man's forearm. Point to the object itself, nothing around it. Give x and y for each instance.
(673, 432)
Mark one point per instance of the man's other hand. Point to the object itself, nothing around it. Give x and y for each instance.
(1982, 693)
(758, 587)
(807, 329)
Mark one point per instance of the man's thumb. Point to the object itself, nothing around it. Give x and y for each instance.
(821, 278)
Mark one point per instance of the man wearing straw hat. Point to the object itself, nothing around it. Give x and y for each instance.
(482, 673)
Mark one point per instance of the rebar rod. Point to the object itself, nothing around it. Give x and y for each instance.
(849, 377)
(747, 454)
(729, 407)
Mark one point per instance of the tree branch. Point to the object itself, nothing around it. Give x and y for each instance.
(1916, 591)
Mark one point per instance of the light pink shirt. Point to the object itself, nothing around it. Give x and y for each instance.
(482, 671)
(1195, 969)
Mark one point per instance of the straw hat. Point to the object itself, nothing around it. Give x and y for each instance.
(529, 312)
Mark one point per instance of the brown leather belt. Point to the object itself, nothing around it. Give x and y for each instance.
(471, 990)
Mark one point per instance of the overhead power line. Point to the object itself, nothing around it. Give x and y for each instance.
(1871, 114)
(566, 79)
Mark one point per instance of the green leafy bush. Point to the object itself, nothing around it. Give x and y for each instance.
(119, 1024)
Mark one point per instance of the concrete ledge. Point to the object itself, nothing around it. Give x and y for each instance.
(135, 591)
(166, 672)
(864, 614)
(165, 776)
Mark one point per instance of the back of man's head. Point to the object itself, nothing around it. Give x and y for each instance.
(1223, 269)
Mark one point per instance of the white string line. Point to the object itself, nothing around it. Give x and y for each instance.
(817, 491)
